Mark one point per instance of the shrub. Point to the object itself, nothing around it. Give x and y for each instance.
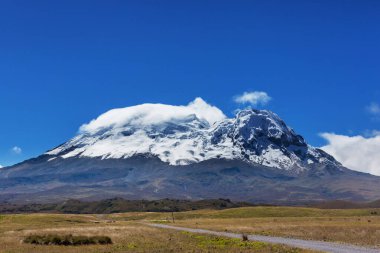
(67, 240)
(103, 240)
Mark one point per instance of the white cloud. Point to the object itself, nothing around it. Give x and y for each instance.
(355, 152)
(374, 109)
(16, 150)
(1, 166)
(254, 98)
(153, 114)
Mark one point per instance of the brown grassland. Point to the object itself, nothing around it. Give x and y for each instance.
(129, 233)
(352, 226)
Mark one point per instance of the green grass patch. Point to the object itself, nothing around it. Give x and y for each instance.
(223, 242)
(214, 242)
(160, 221)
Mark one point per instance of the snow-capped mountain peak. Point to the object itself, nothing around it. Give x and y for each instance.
(256, 123)
(181, 135)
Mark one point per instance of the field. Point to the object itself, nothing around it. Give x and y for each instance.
(359, 227)
(129, 233)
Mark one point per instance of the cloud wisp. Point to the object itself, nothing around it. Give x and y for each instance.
(253, 98)
(355, 152)
(16, 150)
(374, 110)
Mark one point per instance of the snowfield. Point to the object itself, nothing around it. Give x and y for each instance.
(182, 135)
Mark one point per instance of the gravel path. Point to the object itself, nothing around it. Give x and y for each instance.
(305, 244)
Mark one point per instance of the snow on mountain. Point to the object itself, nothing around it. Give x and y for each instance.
(181, 135)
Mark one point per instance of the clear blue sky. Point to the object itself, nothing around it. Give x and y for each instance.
(62, 63)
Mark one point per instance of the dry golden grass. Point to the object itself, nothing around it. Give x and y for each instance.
(127, 236)
(359, 230)
(348, 230)
(354, 226)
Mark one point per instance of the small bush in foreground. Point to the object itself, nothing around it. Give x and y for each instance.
(67, 240)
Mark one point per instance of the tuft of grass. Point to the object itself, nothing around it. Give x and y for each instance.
(67, 240)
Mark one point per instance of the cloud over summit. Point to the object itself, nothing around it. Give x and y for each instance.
(253, 98)
(152, 114)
